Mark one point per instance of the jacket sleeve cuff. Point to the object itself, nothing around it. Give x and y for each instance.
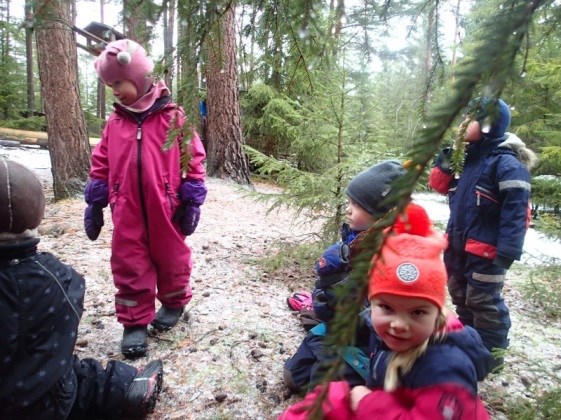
(503, 262)
(439, 180)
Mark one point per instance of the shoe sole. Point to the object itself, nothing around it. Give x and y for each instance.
(142, 393)
(133, 352)
(162, 327)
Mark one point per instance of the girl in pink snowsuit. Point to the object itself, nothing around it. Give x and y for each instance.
(153, 204)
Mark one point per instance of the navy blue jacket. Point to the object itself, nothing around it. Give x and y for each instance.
(460, 359)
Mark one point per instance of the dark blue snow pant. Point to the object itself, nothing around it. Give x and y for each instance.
(87, 391)
(475, 285)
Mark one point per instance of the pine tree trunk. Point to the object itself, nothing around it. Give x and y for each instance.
(29, 58)
(134, 22)
(169, 19)
(226, 158)
(5, 47)
(100, 104)
(58, 73)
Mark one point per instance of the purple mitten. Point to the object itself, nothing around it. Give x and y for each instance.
(97, 192)
(187, 217)
(192, 194)
(97, 197)
(93, 221)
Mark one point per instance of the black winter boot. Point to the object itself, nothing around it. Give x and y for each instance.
(143, 391)
(134, 342)
(167, 318)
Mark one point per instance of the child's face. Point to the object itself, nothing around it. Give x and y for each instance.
(124, 91)
(473, 131)
(359, 219)
(403, 322)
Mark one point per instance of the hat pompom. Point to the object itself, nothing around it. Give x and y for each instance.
(414, 221)
(124, 57)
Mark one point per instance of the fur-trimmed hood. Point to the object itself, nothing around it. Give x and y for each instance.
(525, 155)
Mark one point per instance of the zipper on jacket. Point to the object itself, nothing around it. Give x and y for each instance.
(479, 193)
(139, 169)
(169, 194)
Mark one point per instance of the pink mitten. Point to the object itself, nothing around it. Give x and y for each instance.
(299, 301)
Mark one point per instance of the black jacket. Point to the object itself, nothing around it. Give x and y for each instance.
(41, 303)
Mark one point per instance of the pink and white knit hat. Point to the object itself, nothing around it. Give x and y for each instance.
(125, 60)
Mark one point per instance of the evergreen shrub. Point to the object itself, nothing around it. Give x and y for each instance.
(543, 290)
(34, 123)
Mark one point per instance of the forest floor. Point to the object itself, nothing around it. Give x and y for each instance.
(224, 359)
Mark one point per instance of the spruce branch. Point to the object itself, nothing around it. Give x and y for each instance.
(459, 149)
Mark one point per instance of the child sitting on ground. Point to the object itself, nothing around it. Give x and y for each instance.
(368, 194)
(41, 302)
(423, 363)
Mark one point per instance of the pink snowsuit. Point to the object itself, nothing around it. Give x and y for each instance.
(149, 256)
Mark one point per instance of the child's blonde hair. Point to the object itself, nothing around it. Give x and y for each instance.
(402, 362)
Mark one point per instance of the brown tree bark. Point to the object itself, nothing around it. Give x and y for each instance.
(134, 22)
(168, 20)
(226, 158)
(58, 73)
(29, 57)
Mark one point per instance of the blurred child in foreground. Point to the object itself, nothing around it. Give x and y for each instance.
(41, 302)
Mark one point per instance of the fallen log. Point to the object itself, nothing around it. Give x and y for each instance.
(38, 138)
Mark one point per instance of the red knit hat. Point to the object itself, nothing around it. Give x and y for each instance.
(125, 60)
(410, 262)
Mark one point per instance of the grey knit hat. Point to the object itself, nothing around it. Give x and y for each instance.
(22, 200)
(370, 187)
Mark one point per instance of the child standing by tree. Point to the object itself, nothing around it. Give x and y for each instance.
(41, 302)
(154, 205)
(489, 216)
(423, 363)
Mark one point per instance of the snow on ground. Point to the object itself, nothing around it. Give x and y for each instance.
(537, 247)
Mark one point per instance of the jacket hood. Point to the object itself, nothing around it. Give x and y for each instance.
(525, 155)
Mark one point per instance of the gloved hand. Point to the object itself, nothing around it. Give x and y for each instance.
(93, 221)
(323, 302)
(443, 160)
(96, 195)
(192, 194)
(503, 262)
(332, 269)
(333, 265)
(187, 217)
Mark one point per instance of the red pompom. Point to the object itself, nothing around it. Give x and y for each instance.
(414, 220)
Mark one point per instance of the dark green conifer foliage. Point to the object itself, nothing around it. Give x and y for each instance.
(326, 145)
(12, 85)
